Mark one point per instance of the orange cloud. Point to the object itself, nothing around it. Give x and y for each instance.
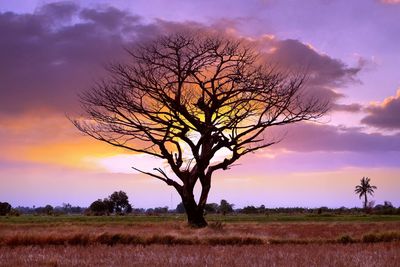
(44, 137)
(73, 153)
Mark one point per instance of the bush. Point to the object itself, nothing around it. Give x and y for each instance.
(14, 212)
(385, 209)
(383, 237)
(346, 239)
(47, 210)
(5, 208)
(225, 207)
(99, 208)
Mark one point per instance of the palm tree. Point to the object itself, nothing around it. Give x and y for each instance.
(365, 188)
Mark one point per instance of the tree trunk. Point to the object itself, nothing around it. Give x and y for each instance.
(365, 201)
(194, 213)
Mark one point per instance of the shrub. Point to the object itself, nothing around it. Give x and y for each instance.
(14, 212)
(99, 207)
(382, 237)
(5, 208)
(370, 238)
(225, 207)
(346, 239)
(211, 208)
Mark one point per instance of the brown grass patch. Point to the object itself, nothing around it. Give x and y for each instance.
(112, 239)
(216, 234)
(372, 254)
(303, 230)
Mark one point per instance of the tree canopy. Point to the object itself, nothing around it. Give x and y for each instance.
(117, 202)
(365, 188)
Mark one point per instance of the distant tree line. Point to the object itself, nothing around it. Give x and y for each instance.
(66, 208)
(118, 204)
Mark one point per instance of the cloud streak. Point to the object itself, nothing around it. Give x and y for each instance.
(354, 107)
(311, 137)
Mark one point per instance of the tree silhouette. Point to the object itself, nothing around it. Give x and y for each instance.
(364, 188)
(117, 202)
(120, 202)
(5, 208)
(225, 207)
(101, 207)
(185, 97)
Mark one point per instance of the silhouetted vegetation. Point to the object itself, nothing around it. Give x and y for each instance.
(120, 203)
(46, 210)
(5, 208)
(386, 209)
(225, 207)
(364, 188)
(117, 203)
(108, 206)
(253, 210)
(157, 211)
(180, 208)
(100, 207)
(69, 209)
(211, 208)
(182, 85)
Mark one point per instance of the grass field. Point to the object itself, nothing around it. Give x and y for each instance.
(211, 218)
(236, 240)
(380, 254)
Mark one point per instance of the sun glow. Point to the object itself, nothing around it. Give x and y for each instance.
(123, 163)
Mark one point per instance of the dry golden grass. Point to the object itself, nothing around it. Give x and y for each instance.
(265, 231)
(220, 244)
(377, 254)
(306, 230)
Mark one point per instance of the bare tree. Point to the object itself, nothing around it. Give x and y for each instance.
(183, 98)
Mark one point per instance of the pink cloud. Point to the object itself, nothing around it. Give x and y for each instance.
(386, 114)
(390, 2)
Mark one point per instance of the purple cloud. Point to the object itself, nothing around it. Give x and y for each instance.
(323, 70)
(47, 58)
(58, 11)
(325, 74)
(385, 115)
(354, 107)
(62, 48)
(309, 137)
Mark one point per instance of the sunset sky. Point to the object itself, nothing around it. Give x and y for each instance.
(50, 51)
